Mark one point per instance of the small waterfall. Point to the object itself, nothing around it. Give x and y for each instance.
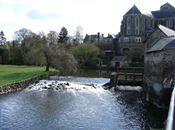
(66, 86)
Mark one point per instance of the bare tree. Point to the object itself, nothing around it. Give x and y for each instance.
(78, 37)
(52, 37)
(21, 34)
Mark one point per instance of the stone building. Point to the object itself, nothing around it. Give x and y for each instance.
(92, 38)
(159, 70)
(137, 27)
(134, 29)
(165, 16)
(155, 36)
(159, 58)
(99, 38)
(159, 33)
(161, 55)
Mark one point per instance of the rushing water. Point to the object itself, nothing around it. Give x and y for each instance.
(82, 104)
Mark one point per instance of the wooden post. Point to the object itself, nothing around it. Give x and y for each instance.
(125, 76)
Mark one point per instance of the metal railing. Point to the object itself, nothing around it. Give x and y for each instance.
(171, 116)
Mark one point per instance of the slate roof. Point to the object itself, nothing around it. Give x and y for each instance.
(164, 12)
(168, 32)
(133, 10)
(165, 43)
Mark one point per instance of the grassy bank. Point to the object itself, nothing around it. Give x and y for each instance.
(13, 73)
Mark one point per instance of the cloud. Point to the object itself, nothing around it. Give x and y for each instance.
(36, 14)
(93, 15)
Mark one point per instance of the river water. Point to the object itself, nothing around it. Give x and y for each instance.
(79, 104)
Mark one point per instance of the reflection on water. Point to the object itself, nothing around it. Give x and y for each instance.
(86, 108)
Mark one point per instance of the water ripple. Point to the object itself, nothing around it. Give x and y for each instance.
(80, 106)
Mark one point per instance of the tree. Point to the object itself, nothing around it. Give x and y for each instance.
(52, 37)
(47, 51)
(64, 61)
(48, 47)
(33, 50)
(57, 57)
(63, 35)
(15, 53)
(21, 34)
(136, 56)
(86, 54)
(40, 49)
(4, 55)
(2, 38)
(78, 37)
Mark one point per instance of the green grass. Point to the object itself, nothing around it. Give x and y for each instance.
(14, 73)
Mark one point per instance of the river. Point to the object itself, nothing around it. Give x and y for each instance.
(81, 104)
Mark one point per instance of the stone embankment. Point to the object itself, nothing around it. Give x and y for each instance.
(19, 85)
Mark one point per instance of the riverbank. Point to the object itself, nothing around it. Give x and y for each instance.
(14, 78)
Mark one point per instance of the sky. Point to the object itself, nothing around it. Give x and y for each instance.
(93, 16)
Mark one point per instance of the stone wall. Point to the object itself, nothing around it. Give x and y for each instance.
(160, 65)
(130, 47)
(18, 86)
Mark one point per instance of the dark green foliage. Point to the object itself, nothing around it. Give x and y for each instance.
(4, 55)
(63, 35)
(39, 50)
(15, 54)
(2, 38)
(136, 57)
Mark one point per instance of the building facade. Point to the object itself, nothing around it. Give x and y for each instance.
(159, 33)
(159, 75)
(165, 16)
(137, 27)
(134, 29)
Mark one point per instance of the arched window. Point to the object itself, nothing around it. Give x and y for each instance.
(128, 25)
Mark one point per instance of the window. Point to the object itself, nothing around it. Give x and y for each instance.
(169, 23)
(137, 21)
(138, 39)
(128, 25)
(126, 39)
(128, 21)
(128, 31)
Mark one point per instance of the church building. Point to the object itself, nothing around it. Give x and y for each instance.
(137, 27)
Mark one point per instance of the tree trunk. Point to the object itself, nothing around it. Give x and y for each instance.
(47, 61)
(47, 67)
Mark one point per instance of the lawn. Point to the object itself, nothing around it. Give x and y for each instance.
(13, 73)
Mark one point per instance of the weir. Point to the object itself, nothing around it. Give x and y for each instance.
(127, 76)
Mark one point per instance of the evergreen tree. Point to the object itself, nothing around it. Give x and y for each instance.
(63, 35)
(2, 38)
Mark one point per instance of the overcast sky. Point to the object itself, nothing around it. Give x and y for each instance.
(92, 15)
